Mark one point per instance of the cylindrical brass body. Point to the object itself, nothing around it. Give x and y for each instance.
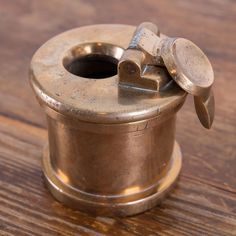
(112, 162)
(113, 169)
(114, 155)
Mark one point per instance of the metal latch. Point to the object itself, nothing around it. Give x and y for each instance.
(149, 56)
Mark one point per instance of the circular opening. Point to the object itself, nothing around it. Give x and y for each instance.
(93, 61)
(94, 66)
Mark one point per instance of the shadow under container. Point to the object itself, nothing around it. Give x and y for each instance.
(112, 150)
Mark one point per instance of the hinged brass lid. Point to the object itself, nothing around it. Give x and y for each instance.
(188, 66)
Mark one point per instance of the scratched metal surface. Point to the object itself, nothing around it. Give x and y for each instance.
(204, 202)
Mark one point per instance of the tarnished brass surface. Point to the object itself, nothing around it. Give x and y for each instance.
(94, 100)
(112, 148)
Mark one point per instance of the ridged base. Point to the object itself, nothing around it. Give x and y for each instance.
(98, 205)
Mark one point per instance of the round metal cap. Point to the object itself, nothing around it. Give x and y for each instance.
(188, 65)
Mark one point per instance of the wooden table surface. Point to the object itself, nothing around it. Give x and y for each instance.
(204, 201)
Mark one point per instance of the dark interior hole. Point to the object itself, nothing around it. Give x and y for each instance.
(94, 66)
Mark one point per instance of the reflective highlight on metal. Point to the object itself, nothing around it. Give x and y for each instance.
(111, 112)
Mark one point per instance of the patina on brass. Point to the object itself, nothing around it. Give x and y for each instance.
(111, 104)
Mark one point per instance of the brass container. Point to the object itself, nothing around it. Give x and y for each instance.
(112, 149)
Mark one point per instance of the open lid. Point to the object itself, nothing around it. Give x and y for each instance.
(186, 63)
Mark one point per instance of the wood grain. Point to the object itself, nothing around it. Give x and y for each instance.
(204, 202)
